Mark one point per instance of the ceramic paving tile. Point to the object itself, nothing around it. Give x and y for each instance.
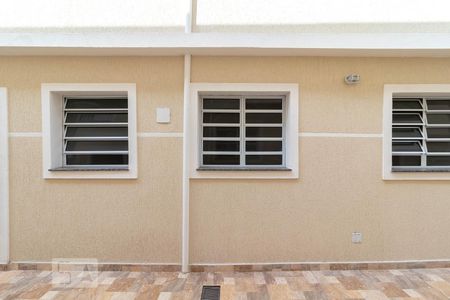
(442, 286)
(373, 295)
(327, 284)
(310, 278)
(413, 293)
(396, 272)
(296, 295)
(433, 277)
(121, 285)
(391, 290)
(123, 296)
(50, 295)
(351, 283)
(160, 281)
(164, 296)
(280, 280)
(259, 278)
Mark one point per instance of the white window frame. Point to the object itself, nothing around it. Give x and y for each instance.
(290, 170)
(242, 139)
(406, 90)
(52, 129)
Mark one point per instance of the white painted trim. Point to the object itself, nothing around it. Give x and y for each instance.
(160, 134)
(250, 263)
(133, 263)
(4, 178)
(405, 89)
(51, 94)
(123, 41)
(186, 163)
(25, 134)
(292, 117)
(323, 262)
(340, 135)
(150, 134)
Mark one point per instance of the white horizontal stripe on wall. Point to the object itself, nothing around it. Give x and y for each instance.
(340, 135)
(25, 134)
(180, 134)
(160, 134)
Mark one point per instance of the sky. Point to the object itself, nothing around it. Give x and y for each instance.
(169, 13)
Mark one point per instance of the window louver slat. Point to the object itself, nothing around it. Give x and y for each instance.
(421, 133)
(95, 131)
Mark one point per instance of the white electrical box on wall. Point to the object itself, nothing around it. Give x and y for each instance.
(356, 237)
(163, 115)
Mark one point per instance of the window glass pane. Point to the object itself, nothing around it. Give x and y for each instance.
(221, 118)
(97, 146)
(398, 132)
(406, 118)
(96, 131)
(402, 161)
(438, 118)
(221, 131)
(438, 104)
(97, 159)
(221, 159)
(86, 103)
(221, 104)
(220, 145)
(435, 133)
(407, 104)
(436, 161)
(438, 146)
(272, 118)
(264, 131)
(406, 147)
(97, 118)
(263, 104)
(264, 160)
(263, 146)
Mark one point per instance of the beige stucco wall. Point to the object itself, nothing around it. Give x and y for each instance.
(340, 189)
(111, 220)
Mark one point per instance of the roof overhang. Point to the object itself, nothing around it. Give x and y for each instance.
(141, 43)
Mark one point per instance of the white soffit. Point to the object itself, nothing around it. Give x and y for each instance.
(131, 42)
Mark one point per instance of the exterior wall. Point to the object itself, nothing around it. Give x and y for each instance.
(111, 220)
(340, 189)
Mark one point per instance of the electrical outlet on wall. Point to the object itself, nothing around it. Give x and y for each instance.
(356, 237)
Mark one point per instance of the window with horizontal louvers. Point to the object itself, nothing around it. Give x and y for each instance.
(242, 131)
(95, 131)
(421, 133)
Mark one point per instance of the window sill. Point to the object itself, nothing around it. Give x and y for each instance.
(81, 169)
(244, 169)
(420, 170)
(120, 172)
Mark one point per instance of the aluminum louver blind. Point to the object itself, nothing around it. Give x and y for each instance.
(95, 131)
(242, 131)
(421, 133)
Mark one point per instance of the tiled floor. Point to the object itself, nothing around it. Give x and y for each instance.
(367, 284)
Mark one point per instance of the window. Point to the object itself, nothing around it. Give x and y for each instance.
(421, 133)
(417, 132)
(95, 131)
(89, 130)
(242, 131)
